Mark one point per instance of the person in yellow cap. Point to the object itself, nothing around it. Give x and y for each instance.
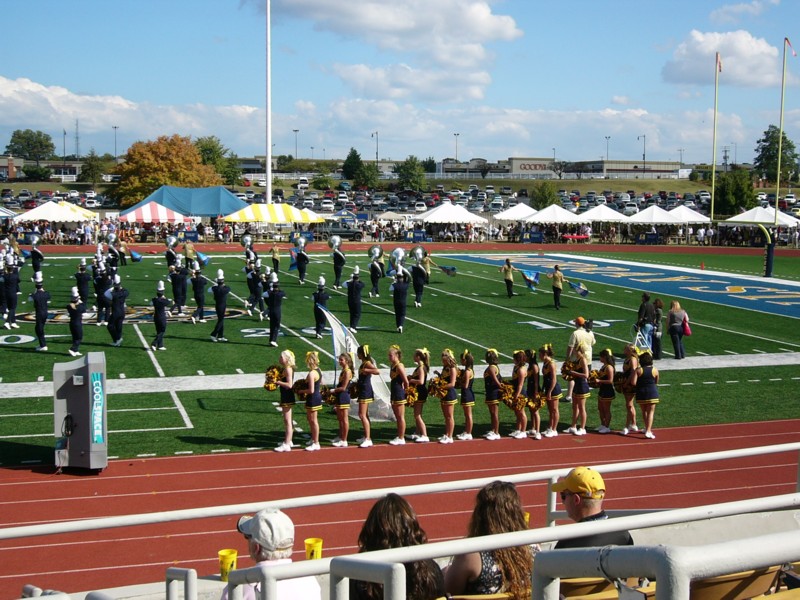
(582, 492)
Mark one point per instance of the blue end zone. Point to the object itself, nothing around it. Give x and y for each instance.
(767, 295)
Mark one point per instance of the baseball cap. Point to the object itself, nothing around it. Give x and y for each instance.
(583, 481)
(271, 529)
(579, 321)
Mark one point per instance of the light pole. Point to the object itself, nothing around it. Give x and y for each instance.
(295, 142)
(323, 154)
(608, 137)
(375, 135)
(643, 137)
(455, 135)
(681, 151)
(735, 151)
(115, 127)
(312, 152)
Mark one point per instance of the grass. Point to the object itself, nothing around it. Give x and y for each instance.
(468, 311)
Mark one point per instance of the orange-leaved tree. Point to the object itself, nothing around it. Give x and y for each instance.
(172, 160)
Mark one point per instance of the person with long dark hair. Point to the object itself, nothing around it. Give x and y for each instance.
(365, 392)
(466, 380)
(550, 388)
(491, 382)
(398, 383)
(532, 391)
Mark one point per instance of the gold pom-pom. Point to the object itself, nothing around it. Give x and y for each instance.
(272, 376)
(537, 402)
(412, 395)
(507, 394)
(354, 389)
(300, 388)
(328, 397)
(460, 378)
(594, 374)
(621, 383)
(437, 387)
(566, 368)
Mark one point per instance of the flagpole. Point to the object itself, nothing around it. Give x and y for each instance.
(780, 134)
(714, 137)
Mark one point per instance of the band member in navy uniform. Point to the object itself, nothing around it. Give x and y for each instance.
(320, 298)
(178, 274)
(302, 263)
(338, 265)
(82, 280)
(375, 274)
(11, 279)
(418, 279)
(102, 283)
(199, 291)
(274, 308)
(75, 310)
(40, 299)
(160, 305)
(112, 258)
(399, 291)
(220, 292)
(117, 296)
(354, 287)
(253, 284)
(37, 257)
(170, 256)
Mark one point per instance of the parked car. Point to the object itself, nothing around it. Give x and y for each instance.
(90, 194)
(261, 182)
(342, 197)
(29, 204)
(344, 231)
(523, 193)
(326, 205)
(73, 194)
(92, 203)
(630, 209)
(690, 204)
(420, 207)
(791, 200)
(506, 190)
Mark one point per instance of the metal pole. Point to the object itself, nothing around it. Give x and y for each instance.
(643, 137)
(608, 137)
(456, 136)
(295, 142)
(270, 146)
(115, 127)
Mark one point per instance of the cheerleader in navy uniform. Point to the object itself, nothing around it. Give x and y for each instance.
(467, 395)
(75, 310)
(313, 398)
(342, 394)
(320, 298)
(580, 393)
(450, 376)
(550, 388)
(160, 306)
(629, 368)
(365, 392)
(531, 391)
(519, 378)
(606, 393)
(287, 398)
(419, 379)
(645, 378)
(398, 382)
(491, 383)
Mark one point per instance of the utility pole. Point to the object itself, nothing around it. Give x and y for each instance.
(115, 127)
(456, 136)
(295, 143)
(643, 137)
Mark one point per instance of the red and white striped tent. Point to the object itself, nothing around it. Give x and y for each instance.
(152, 212)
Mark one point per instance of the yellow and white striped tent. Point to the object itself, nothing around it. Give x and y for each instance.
(87, 214)
(272, 213)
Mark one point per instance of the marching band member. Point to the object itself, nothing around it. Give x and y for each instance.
(375, 274)
(178, 274)
(199, 293)
(606, 393)
(302, 261)
(287, 398)
(629, 367)
(274, 309)
(313, 398)
(365, 393)
(11, 283)
(399, 291)
(75, 310)
(354, 287)
(342, 395)
(491, 382)
(580, 393)
(339, 261)
(645, 378)
(508, 276)
(449, 376)
(550, 388)
(253, 276)
(419, 379)
(531, 391)
(320, 298)
(40, 299)
(82, 280)
(398, 384)
(37, 257)
(160, 305)
(519, 377)
(102, 283)
(467, 395)
(116, 297)
(418, 279)
(170, 255)
(220, 292)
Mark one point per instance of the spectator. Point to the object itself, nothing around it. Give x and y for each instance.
(582, 493)
(581, 339)
(498, 509)
(270, 538)
(675, 320)
(392, 523)
(646, 318)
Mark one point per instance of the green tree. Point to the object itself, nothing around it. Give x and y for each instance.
(367, 176)
(34, 173)
(282, 160)
(733, 190)
(92, 168)
(429, 164)
(766, 160)
(31, 145)
(170, 160)
(212, 152)
(322, 182)
(231, 173)
(410, 174)
(351, 164)
(543, 194)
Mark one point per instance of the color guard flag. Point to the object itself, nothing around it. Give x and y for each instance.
(719, 62)
(579, 288)
(449, 271)
(790, 46)
(531, 279)
(293, 263)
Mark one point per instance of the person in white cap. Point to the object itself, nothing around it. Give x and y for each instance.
(339, 260)
(11, 282)
(82, 281)
(160, 306)
(354, 287)
(102, 283)
(320, 298)
(220, 292)
(117, 297)
(75, 310)
(199, 292)
(270, 541)
(178, 276)
(275, 297)
(40, 299)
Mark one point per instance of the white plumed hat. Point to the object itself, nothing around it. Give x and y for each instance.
(160, 286)
(321, 282)
(220, 274)
(75, 293)
(37, 278)
(117, 280)
(273, 277)
(356, 271)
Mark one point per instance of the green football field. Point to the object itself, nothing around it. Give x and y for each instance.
(470, 311)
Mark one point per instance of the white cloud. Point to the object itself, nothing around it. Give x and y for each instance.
(620, 100)
(733, 13)
(747, 61)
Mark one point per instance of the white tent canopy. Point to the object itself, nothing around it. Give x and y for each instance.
(687, 215)
(54, 212)
(602, 213)
(762, 216)
(4, 212)
(448, 213)
(520, 212)
(555, 214)
(654, 215)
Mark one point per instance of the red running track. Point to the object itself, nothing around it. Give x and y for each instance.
(124, 556)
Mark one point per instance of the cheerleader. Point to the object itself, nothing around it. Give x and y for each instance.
(467, 395)
(550, 388)
(287, 399)
(606, 394)
(518, 377)
(645, 378)
(580, 393)
(342, 394)
(449, 376)
(398, 382)
(365, 394)
(491, 383)
(313, 398)
(419, 379)
(532, 391)
(629, 368)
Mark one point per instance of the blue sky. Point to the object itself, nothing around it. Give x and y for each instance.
(511, 77)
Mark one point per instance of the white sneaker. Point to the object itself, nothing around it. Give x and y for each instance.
(161, 348)
(624, 431)
(518, 435)
(273, 344)
(572, 430)
(72, 352)
(222, 339)
(15, 326)
(340, 444)
(41, 349)
(536, 435)
(464, 437)
(313, 447)
(634, 428)
(492, 436)
(202, 321)
(398, 441)
(550, 433)
(249, 313)
(365, 444)
(421, 439)
(487, 434)
(603, 429)
(214, 339)
(361, 439)
(400, 329)
(581, 431)
(650, 435)
(284, 447)
(8, 325)
(194, 321)
(260, 316)
(445, 439)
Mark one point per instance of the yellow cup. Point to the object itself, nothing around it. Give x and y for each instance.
(527, 516)
(227, 563)
(313, 548)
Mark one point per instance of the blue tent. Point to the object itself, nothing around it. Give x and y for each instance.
(193, 202)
